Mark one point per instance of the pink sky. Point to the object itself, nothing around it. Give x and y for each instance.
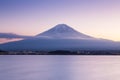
(98, 18)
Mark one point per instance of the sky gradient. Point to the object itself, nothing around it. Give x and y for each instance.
(97, 18)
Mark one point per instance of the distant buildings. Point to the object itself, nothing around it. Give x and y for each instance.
(61, 52)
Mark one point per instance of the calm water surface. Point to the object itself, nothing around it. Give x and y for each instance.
(46, 67)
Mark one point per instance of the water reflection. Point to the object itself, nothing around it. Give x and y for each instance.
(59, 67)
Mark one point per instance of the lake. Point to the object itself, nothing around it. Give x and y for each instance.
(59, 67)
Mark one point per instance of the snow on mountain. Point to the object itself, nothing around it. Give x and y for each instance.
(63, 31)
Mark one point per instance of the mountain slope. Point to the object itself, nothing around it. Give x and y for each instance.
(60, 44)
(61, 37)
(63, 31)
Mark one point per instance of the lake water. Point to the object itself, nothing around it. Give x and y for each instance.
(55, 67)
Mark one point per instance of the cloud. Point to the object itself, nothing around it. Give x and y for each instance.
(12, 36)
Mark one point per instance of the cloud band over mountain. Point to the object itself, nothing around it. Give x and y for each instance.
(12, 36)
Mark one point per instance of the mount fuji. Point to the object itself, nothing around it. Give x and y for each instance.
(63, 31)
(61, 37)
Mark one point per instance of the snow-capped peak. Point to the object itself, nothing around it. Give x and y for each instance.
(62, 31)
(62, 28)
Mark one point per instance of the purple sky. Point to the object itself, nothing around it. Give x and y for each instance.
(98, 18)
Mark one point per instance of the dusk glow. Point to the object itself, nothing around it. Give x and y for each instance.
(98, 18)
(59, 39)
